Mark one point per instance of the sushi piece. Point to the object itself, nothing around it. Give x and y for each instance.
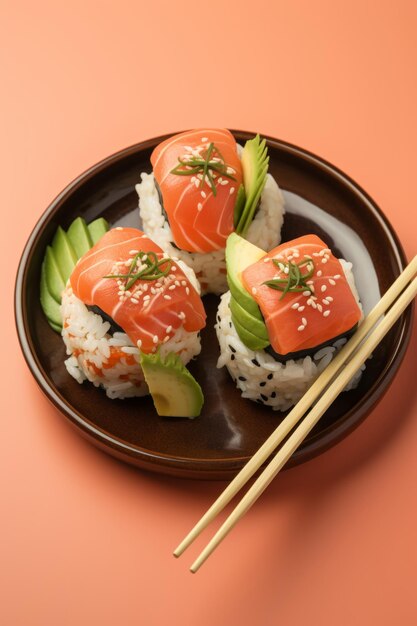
(287, 313)
(202, 188)
(125, 298)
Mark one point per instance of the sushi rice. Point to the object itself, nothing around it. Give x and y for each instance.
(263, 379)
(210, 267)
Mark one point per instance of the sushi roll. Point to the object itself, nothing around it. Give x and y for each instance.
(126, 298)
(202, 188)
(286, 315)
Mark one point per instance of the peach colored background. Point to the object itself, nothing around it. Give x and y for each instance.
(86, 540)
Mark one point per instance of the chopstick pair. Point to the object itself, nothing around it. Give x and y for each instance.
(323, 392)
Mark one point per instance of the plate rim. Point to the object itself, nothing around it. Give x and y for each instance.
(221, 468)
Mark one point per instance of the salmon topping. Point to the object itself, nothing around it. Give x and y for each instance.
(199, 173)
(303, 295)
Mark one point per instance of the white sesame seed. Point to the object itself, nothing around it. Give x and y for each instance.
(204, 139)
(306, 293)
(196, 182)
(203, 194)
(320, 308)
(331, 281)
(118, 228)
(139, 343)
(319, 273)
(199, 207)
(232, 190)
(301, 308)
(295, 305)
(254, 291)
(324, 261)
(336, 277)
(146, 298)
(325, 301)
(166, 339)
(326, 313)
(224, 182)
(304, 321)
(329, 298)
(167, 297)
(155, 339)
(133, 251)
(301, 327)
(187, 291)
(184, 283)
(172, 287)
(323, 288)
(181, 315)
(168, 330)
(313, 304)
(310, 282)
(134, 300)
(230, 170)
(220, 180)
(286, 270)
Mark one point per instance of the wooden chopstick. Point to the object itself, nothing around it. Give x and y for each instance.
(295, 415)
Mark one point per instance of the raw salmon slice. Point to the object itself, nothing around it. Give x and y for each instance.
(322, 309)
(200, 214)
(150, 311)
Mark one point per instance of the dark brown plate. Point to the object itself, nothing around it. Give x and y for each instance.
(319, 199)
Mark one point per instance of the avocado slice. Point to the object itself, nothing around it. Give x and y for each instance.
(239, 206)
(79, 237)
(247, 321)
(49, 305)
(249, 339)
(53, 277)
(255, 161)
(64, 253)
(98, 228)
(175, 392)
(239, 255)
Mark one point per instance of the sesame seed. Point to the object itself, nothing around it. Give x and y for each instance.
(224, 182)
(172, 287)
(286, 270)
(329, 298)
(301, 327)
(232, 190)
(313, 304)
(220, 180)
(306, 293)
(336, 277)
(166, 339)
(155, 339)
(134, 300)
(168, 330)
(230, 170)
(187, 291)
(331, 281)
(326, 313)
(146, 298)
(181, 315)
(199, 207)
(254, 291)
(196, 182)
(173, 268)
(295, 305)
(301, 308)
(133, 251)
(325, 301)
(319, 273)
(139, 343)
(304, 321)
(203, 194)
(320, 308)
(324, 261)
(177, 282)
(184, 283)
(167, 297)
(309, 282)
(323, 288)
(118, 228)
(203, 139)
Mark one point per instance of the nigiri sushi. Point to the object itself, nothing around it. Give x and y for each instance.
(285, 316)
(204, 187)
(126, 297)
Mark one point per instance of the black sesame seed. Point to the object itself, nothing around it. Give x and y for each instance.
(264, 397)
(232, 357)
(232, 348)
(262, 384)
(270, 376)
(230, 324)
(242, 378)
(255, 362)
(273, 394)
(218, 319)
(259, 400)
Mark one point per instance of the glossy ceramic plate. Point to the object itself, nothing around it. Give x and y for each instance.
(319, 199)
